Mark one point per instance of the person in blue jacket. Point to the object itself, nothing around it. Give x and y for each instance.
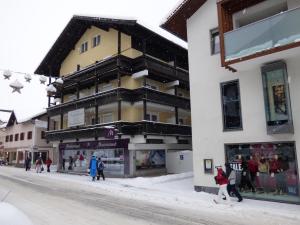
(93, 167)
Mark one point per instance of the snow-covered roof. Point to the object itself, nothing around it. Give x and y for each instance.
(4, 116)
(23, 120)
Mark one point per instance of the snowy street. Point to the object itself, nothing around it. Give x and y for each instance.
(56, 199)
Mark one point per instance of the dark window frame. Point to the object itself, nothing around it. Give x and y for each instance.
(11, 138)
(7, 138)
(29, 135)
(22, 135)
(279, 126)
(43, 134)
(240, 128)
(16, 137)
(213, 33)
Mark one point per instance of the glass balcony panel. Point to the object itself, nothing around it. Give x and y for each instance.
(275, 31)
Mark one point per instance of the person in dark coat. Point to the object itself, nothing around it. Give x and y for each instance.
(231, 188)
(93, 167)
(245, 178)
(100, 168)
(27, 163)
(63, 163)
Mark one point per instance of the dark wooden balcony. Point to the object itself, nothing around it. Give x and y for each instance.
(124, 128)
(122, 94)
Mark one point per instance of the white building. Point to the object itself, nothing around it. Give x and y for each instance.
(25, 138)
(244, 63)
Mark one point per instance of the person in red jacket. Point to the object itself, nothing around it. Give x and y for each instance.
(223, 182)
(48, 163)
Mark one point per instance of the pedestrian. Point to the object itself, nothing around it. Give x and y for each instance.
(63, 163)
(39, 165)
(93, 167)
(100, 168)
(48, 163)
(231, 188)
(222, 181)
(70, 163)
(27, 163)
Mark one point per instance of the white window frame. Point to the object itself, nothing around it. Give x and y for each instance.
(151, 114)
(96, 41)
(83, 47)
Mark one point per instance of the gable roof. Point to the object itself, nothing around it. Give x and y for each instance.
(176, 21)
(79, 24)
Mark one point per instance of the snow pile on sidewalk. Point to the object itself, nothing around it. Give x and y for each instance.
(10, 215)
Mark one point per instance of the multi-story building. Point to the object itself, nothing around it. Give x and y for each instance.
(124, 97)
(26, 138)
(243, 62)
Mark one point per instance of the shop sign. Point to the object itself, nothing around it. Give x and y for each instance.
(76, 118)
(119, 143)
(109, 133)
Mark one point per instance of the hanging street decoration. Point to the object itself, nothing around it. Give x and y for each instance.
(28, 78)
(16, 86)
(43, 79)
(6, 74)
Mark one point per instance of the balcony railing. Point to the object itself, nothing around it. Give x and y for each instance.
(124, 128)
(276, 31)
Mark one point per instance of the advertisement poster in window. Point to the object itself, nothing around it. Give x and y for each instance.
(150, 159)
(279, 99)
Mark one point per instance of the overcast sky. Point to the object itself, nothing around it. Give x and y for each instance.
(29, 28)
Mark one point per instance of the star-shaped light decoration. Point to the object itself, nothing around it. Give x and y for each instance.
(43, 79)
(7, 74)
(50, 90)
(16, 86)
(28, 78)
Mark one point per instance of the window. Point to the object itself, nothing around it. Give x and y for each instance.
(107, 118)
(272, 169)
(151, 116)
(7, 138)
(29, 135)
(106, 87)
(84, 47)
(277, 102)
(232, 118)
(11, 138)
(16, 137)
(214, 41)
(22, 136)
(180, 121)
(96, 41)
(43, 134)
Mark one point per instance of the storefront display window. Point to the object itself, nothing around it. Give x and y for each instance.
(277, 103)
(265, 170)
(149, 159)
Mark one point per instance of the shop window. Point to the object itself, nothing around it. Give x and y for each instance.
(150, 159)
(265, 170)
(277, 98)
(22, 136)
(232, 118)
(29, 135)
(11, 138)
(16, 137)
(214, 41)
(96, 40)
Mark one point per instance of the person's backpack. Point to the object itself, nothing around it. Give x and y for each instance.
(100, 165)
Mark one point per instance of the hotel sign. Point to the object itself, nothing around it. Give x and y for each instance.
(76, 118)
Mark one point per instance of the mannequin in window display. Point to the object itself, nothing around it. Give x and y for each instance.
(276, 172)
(245, 178)
(253, 169)
(263, 173)
(81, 158)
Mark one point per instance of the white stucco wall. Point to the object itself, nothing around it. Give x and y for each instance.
(206, 74)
